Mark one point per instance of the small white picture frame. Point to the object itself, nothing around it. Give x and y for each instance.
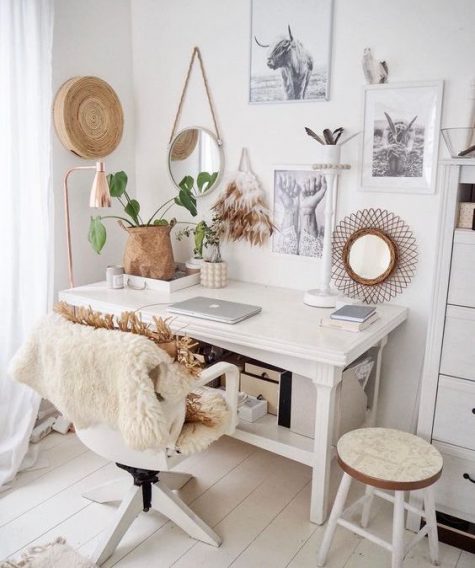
(299, 193)
(401, 134)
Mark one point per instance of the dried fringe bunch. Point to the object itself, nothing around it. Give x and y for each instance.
(161, 335)
(243, 210)
(195, 413)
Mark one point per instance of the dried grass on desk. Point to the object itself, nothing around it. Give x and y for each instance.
(159, 332)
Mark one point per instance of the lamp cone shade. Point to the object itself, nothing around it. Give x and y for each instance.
(100, 194)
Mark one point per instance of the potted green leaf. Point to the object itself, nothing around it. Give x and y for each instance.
(148, 251)
(193, 265)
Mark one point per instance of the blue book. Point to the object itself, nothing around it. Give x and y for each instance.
(353, 312)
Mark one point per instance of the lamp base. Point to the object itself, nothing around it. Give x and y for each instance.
(320, 298)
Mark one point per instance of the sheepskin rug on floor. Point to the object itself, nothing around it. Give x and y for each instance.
(56, 554)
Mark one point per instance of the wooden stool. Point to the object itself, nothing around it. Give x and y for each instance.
(392, 460)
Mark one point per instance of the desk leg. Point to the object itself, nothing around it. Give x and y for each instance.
(377, 381)
(327, 381)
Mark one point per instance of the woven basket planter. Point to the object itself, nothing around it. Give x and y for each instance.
(214, 274)
(149, 253)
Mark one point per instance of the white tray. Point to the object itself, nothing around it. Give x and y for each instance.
(142, 283)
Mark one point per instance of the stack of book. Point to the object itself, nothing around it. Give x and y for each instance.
(351, 317)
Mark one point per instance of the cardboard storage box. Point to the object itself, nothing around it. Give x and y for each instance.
(353, 400)
(256, 386)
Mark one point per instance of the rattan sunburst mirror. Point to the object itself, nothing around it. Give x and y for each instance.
(374, 255)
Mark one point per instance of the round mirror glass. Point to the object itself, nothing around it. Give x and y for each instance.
(195, 160)
(371, 257)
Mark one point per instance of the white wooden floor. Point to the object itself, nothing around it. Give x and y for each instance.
(258, 503)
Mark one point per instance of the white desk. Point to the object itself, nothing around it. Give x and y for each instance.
(286, 334)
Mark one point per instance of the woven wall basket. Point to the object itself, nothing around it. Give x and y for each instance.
(88, 117)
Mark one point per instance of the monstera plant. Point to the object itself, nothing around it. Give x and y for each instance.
(148, 250)
(132, 210)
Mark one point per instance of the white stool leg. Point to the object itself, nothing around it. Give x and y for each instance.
(337, 510)
(398, 530)
(429, 510)
(367, 506)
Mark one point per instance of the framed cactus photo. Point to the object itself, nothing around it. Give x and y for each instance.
(401, 137)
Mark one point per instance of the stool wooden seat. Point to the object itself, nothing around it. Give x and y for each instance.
(392, 460)
(389, 459)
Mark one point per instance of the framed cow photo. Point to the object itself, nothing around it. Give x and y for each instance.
(401, 137)
(290, 50)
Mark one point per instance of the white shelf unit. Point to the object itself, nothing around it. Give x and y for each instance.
(268, 435)
(265, 433)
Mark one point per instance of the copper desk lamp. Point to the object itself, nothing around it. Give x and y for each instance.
(99, 197)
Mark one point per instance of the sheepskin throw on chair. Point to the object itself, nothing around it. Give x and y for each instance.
(120, 378)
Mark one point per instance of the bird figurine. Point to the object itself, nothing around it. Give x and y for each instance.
(374, 71)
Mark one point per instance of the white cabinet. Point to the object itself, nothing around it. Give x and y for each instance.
(462, 272)
(455, 413)
(456, 488)
(447, 405)
(458, 346)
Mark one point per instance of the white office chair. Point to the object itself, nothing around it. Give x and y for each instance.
(152, 482)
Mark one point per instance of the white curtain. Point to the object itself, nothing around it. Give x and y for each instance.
(26, 34)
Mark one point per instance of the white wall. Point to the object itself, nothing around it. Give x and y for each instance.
(423, 40)
(91, 37)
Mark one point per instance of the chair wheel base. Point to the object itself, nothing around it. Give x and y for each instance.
(148, 492)
(143, 478)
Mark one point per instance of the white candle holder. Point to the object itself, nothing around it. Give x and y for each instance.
(325, 296)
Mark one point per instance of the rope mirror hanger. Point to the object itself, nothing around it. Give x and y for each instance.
(196, 54)
(195, 156)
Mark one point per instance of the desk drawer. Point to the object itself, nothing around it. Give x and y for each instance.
(264, 371)
(458, 349)
(455, 492)
(462, 274)
(455, 412)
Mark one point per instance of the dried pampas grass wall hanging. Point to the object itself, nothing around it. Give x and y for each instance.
(243, 209)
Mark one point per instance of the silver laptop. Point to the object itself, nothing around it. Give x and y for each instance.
(214, 309)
